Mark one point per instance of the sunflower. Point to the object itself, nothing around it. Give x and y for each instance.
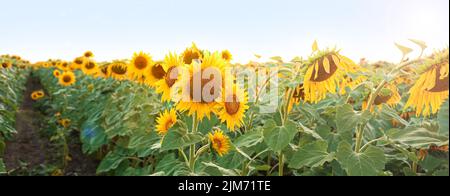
(36, 95)
(64, 122)
(90, 67)
(192, 82)
(226, 55)
(431, 89)
(6, 65)
(77, 63)
(118, 70)
(232, 108)
(220, 142)
(297, 96)
(155, 74)
(103, 71)
(56, 73)
(165, 121)
(140, 64)
(171, 64)
(389, 95)
(191, 54)
(67, 78)
(325, 72)
(63, 65)
(88, 54)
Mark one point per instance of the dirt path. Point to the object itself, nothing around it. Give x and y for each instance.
(31, 153)
(27, 147)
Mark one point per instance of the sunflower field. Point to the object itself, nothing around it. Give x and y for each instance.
(198, 114)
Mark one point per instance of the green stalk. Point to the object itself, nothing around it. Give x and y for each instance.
(192, 147)
(280, 164)
(360, 130)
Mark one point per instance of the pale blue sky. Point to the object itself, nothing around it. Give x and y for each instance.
(112, 29)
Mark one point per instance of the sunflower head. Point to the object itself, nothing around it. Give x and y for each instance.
(220, 142)
(155, 73)
(389, 95)
(140, 64)
(90, 67)
(201, 85)
(226, 55)
(88, 54)
(6, 65)
(165, 121)
(56, 73)
(431, 89)
(36, 95)
(63, 65)
(64, 122)
(118, 70)
(171, 65)
(78, 63)
(67, 78)
(325, 72)
(191, 54)
(232, 108)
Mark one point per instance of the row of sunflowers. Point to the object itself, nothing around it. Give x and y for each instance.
(13, 76)
(333, 116)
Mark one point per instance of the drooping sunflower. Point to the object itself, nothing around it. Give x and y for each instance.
(325, 72)
(118, 70)
(389, 95)
(220, 142)
(56, 73)
(36, 95)
(67, 78)
(165, 121)
(139, 66)
(297, 96)
(90, 68)
(431, 89)
(171, 64)
(227, 56)
(103, 71)
(194, 83)
(232, 107)
(155, 74)
(6, 65)
(191, 54)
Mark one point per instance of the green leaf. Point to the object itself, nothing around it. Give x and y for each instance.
(420, 43)
(312, 155)
(177, 138)
(347, 119)
(405, 50)
(368, 163)
(416, 137)
(443, 119)
(249, 139)
(2, 167)
(224, 171)
(388, 113)
(110, 162)
(279, 137)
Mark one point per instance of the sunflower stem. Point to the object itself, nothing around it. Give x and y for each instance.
(280, 164)
(360, 130)
(192, 147)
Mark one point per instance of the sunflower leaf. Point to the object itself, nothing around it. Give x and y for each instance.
(405, 50)
(371, 162)
(2, 167)
(178, 138)
(311, 155)
(443, 119)
(279, 137)
(420, 43)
